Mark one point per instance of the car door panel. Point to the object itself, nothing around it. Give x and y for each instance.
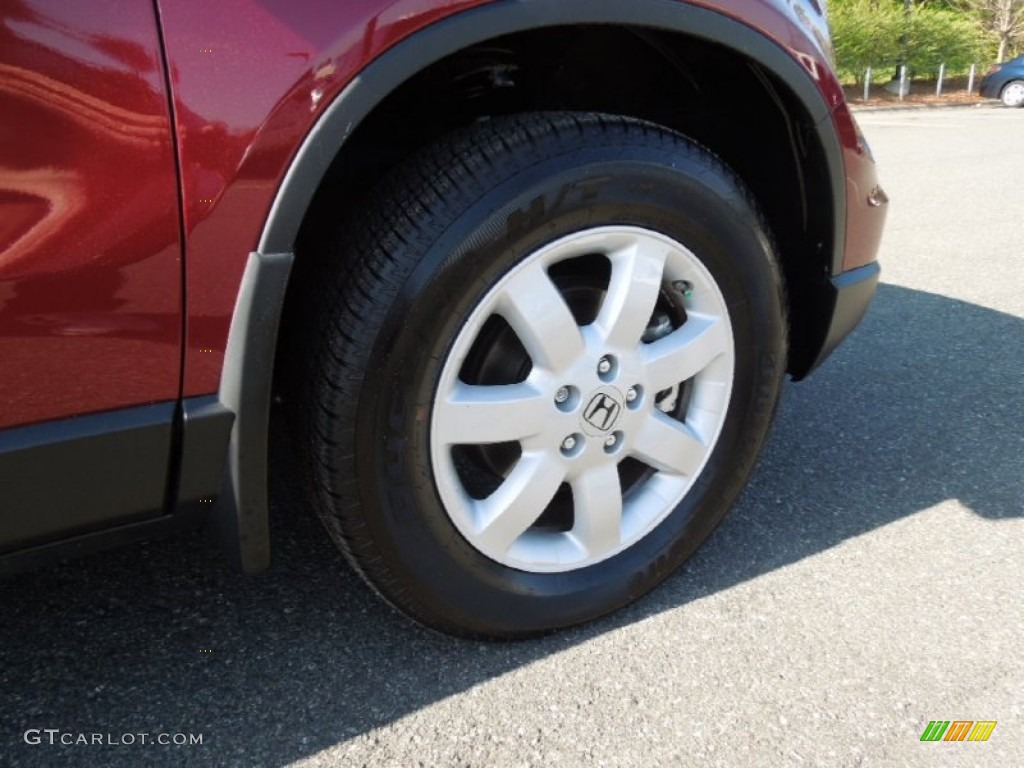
(90, 250)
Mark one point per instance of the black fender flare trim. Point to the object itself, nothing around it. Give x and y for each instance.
(241, 515)
(850, 295)
(395, 66)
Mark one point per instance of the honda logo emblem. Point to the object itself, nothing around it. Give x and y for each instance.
(602, 412)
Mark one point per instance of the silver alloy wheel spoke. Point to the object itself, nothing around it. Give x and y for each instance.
(686, 351)
(588, 402)
(541, 319)
(632, 292)
(668, 445)
(517, 503)
(597, 502)
(479, 415)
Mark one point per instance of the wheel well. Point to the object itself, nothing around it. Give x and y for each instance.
(710, 93)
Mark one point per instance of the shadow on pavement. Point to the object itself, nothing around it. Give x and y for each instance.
(920, 406)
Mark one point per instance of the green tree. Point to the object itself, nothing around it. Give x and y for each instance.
(865, 34)
(886, 33)
(1003, 19)
(938, 36)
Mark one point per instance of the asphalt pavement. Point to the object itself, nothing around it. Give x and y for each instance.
(871, 579)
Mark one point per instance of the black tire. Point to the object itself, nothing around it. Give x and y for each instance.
(406, 269)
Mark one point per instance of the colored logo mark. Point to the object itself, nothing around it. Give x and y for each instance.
(958, 730)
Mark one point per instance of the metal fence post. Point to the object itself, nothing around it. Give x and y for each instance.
(938, 85)
(970, 81)
(903, 80)
(867, 85)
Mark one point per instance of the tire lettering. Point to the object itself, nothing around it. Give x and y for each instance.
(583, 191)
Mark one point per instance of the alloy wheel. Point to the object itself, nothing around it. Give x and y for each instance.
(610, 417)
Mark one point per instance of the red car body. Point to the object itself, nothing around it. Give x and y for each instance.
(151, 151)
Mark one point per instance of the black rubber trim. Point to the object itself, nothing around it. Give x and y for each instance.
(853, 291)
(79, 475)
(474, 26)
(241, 515)
(205, 433)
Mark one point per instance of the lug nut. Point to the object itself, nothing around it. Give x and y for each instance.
(610, 441)
(604, 365)
(631, 394)
(562, 395)
(568, 444)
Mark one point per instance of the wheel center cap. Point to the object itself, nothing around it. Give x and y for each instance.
(602, 411)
